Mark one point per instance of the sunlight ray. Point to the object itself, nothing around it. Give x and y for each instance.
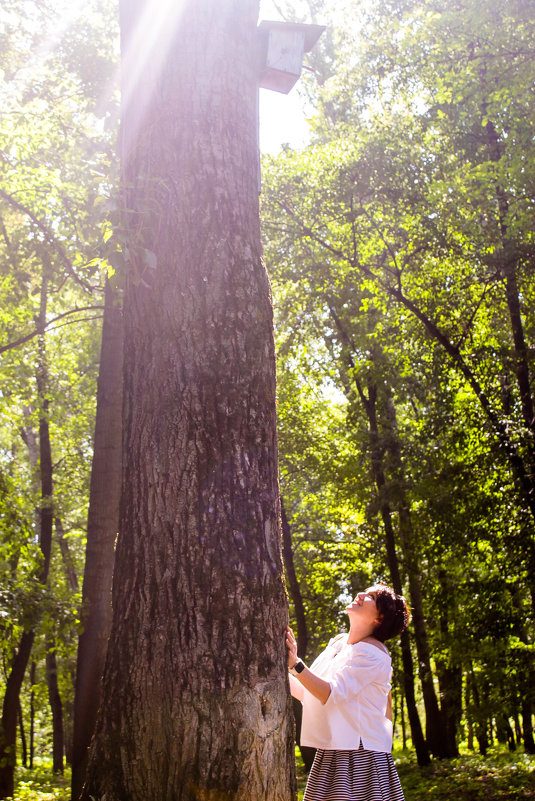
(148, 47)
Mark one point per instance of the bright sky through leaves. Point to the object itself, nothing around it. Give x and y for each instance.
(282, 117)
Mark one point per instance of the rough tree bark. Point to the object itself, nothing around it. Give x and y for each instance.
(102, 527)
(294, 589)
(195, 692)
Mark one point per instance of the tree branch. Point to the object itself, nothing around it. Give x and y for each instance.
(40, 329)
(46, 231)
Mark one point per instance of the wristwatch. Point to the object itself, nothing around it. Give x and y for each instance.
(297, 668)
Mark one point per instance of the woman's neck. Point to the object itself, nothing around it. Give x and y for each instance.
(358, 633)
(367, 638)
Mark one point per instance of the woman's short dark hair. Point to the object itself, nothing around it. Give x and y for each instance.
(394, 613)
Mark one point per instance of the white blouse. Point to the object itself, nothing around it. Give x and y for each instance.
(359, 676)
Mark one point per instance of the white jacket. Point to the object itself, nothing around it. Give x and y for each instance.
(359, 676)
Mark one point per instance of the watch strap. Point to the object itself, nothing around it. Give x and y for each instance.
(297, 668)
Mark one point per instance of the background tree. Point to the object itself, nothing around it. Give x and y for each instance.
(102, 527)
(406, 200)
(53, 166)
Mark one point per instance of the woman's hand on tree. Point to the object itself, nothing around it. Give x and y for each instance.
(291, 644)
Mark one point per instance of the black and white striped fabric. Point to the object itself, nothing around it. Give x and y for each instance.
(353, 776)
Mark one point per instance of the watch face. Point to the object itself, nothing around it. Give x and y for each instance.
(299, 667)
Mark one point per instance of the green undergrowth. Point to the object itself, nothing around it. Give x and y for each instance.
(40, 784)
(499, 776)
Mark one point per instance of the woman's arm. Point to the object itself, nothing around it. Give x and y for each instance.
(389, 706)
(296, 688)
(319, 688)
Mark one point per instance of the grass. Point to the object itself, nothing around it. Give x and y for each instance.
(499, 776)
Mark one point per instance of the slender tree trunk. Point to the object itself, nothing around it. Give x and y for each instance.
(66, 555)
(46, 530)
(8, 730)
(195, 691)
(504, 731)
(527, 723)
(8, 725)
(508, 267)
(418, 740)
(436, 728)
(481, 728)
(518, 728)
(436, 734)
(377, 449)
(469, 730)
(23, 745)
(449, 674)
(102, 527)
(307, 753)
(56, 706)
(32, 714)
(72, 578)
(403, 728)
(525, 675)
(527, 693)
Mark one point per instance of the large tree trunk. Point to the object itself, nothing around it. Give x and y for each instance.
(195, 692)
(102, 527)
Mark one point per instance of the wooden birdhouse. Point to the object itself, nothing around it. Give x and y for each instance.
(282, 45)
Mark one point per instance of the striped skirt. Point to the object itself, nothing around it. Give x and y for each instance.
(353, 776)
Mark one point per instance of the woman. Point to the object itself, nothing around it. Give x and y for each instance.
(346, 703)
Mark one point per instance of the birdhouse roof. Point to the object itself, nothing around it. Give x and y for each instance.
(312, 32)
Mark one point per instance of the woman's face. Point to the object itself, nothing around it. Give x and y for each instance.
(364, 606)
